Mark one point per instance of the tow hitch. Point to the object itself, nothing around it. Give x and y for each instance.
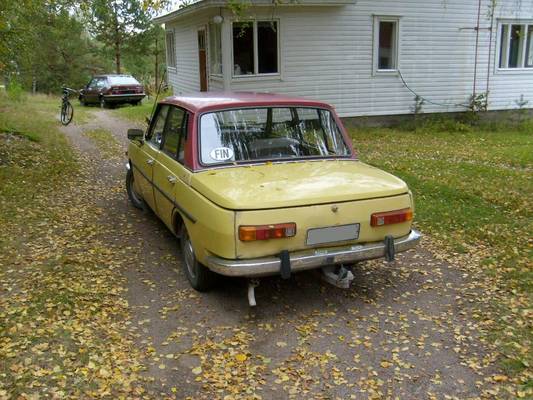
(338, 275)
(252, 284)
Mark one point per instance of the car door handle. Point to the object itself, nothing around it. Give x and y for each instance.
(150, 161)
(172, 179)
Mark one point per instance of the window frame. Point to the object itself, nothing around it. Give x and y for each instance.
(256, 73)
(375, 45)
(150, 131)
(210, 51)
(501, 41)
(171, 50)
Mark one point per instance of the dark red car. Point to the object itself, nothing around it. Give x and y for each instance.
(110, 90)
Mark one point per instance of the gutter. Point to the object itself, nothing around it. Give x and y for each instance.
(206, 4)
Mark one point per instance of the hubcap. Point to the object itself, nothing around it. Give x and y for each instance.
(188, 255)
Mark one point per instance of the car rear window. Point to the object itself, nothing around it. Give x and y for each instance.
(123, 80)
(250, 134)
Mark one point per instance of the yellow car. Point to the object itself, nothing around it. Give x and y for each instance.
(261, 184)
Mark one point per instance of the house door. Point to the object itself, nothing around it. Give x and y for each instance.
(202, 56)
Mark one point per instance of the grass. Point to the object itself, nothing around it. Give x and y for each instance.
(34, 156)
(139, 113)
(473, 188)
(136, 113)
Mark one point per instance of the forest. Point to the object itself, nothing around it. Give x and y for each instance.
(45, 44)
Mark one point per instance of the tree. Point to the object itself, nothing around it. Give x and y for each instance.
(16, 30)
(116, 22)
(63, 55)
(144, 57)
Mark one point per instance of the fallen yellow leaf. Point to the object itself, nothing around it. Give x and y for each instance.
(197, 370)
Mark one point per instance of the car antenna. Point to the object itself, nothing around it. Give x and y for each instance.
(157, 96)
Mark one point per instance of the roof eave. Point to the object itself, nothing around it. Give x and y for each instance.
(206, 4)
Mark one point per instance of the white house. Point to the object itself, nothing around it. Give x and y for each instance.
(366, 57)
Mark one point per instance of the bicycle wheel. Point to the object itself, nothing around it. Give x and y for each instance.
(67, 112)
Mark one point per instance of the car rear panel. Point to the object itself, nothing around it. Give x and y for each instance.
(129, 89)
(321, 216)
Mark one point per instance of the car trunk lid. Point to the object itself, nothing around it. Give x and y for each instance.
(293, 184)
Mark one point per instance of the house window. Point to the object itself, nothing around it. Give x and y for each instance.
(215, 49)
(386, 43)
(171, 49)
(255, 48)
(516, 46)
(267, 44)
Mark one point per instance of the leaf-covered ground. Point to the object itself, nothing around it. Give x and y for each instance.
(93, 302)
(474, 190)
(62, 308)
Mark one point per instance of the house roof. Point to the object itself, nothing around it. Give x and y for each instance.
(209, 101)
(205, 4)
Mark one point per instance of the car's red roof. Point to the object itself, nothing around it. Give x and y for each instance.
(209, 101)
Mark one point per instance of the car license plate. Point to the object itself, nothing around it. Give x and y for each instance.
(332, 234)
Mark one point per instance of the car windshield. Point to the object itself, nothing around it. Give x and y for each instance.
(251, 134)
(123, 80)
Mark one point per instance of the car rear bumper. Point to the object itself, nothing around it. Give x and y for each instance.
(310, 259)
(123, 98)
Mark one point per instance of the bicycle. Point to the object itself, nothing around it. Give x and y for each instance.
(67, 111)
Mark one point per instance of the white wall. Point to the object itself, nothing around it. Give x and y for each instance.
(186, 76)
(326, 53)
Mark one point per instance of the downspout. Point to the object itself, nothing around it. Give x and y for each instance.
(477, 47)
(492, 7)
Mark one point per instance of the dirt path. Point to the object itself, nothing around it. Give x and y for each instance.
(401, 331)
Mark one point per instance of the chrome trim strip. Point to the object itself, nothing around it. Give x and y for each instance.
(259, 163)
(180, 209)
(309, 259)
(124, 96)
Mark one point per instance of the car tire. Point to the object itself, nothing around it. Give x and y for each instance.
(199, 276)
(135, 198)
(83, 102)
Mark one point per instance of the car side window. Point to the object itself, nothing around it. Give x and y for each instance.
(173, 142)
(92, 84)
(158, 126)
(101, 83)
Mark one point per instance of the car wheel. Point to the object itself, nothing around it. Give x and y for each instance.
(135, 198)
(137, 103)
(199, 276)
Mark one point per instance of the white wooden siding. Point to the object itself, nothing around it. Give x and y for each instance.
(186, 76)
(326, 53)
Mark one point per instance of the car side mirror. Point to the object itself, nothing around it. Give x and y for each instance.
(135, 134)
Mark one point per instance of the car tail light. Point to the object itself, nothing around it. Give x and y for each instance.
(391, 217)
(250, 233)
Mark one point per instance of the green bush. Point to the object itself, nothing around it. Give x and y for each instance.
(15, 92)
